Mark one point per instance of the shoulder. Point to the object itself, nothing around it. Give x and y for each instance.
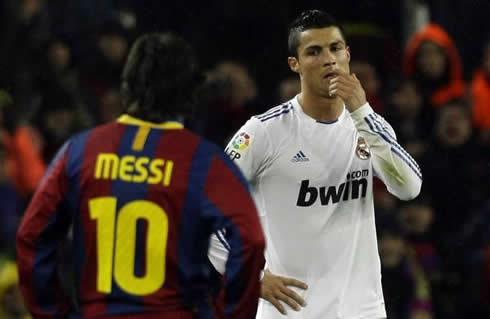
(274, 119)
(278, 112)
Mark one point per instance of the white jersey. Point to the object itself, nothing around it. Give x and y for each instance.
(312, 182)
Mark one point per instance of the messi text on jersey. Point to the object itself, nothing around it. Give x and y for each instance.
(130, 168)
(353, 188)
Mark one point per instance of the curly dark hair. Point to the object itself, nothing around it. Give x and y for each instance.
(310, 19)
(161, 78)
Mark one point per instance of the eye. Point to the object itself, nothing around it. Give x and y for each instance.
(313, 51)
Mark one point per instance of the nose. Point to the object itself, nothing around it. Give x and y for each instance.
(329, 59)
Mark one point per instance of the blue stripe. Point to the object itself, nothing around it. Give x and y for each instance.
(276, 115)
(408, 163)
(279, 111)
(383, 125)
(234, 264)
(73, 170)
(398, 150)
(385, 129)
(193, 237)
(222, 239)
(120, 302)
(393, 141)
(404, 155)
(273, 110)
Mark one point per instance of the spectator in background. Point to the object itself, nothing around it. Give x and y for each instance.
(406, 290)
(23, 33)
(480, 89)
(432, 59)
(102, 72)
(58, 67)
(475, 255)
(409, 118)
(416, 219)
(288, 88)
(366, 73)
(110, 106)
(57, 120)
(60, 74)
(229, 96)
(455, 173)
(23, 145)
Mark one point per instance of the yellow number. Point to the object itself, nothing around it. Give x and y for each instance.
(116, 244)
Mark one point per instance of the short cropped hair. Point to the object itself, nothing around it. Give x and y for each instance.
(161, 76)
(310, 19)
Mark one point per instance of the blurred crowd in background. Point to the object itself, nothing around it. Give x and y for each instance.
(425, 67)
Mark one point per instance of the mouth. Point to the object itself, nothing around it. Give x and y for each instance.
(330, 75)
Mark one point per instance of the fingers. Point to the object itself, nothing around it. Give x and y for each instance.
(275, 290)
(343, 85)
(339, 90)
(293, 297)
(293, 282)
(276, 303)
(288, 300)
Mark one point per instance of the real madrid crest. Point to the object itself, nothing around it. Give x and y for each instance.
(362, 149)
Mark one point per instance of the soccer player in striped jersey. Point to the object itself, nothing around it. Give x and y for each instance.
(311, 163)
(143, 195)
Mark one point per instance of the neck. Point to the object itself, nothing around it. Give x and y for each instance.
(321, 108)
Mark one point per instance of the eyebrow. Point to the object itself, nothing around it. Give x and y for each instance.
(318, 46)
(337, 42)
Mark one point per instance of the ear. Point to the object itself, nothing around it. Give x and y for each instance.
(347, 49)
(293, 64)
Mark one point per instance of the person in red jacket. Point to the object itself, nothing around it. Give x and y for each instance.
(23, 144)
(432, 59)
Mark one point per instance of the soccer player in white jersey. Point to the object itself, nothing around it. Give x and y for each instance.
(310, 163)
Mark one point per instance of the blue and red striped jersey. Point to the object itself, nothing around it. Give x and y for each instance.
(142, 200)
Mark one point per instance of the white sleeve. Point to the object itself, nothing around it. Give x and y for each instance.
(248, 150)
(218, 251)
(391, 163)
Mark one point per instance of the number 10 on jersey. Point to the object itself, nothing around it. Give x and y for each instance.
(116, 244)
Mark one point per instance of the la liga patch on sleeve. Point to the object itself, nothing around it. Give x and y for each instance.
(241, 141)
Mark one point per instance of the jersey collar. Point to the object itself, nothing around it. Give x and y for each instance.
(168, 125)
(299, 108)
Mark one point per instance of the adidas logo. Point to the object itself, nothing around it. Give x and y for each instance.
(300, 157)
